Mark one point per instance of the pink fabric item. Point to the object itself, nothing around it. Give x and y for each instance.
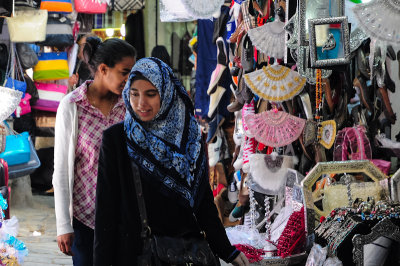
(355, 139)
(25, 105)
(275, 129)
(90, 6)
(91, 124)
(247, 109)
(249, 148)
(50, 96)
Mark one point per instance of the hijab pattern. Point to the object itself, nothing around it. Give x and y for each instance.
(169, 146)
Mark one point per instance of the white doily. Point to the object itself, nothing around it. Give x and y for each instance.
(380, 19)
(269, 38)
(275, 83)
(9, 100)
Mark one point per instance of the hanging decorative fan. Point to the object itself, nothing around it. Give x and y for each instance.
(275, 83)
(9, 100)
(269, 38)
(380, 19)
(275, 128)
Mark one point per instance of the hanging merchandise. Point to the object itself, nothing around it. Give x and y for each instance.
(353, 140)
(275, 128)
(275, 83)
(188, 10)
(58, 31)
(269, 38)
(24, 106)
(127, 5)
(59, 6)
(50, 96)
(86, 22)
(2, 137)
(327, 133)
(9, 100)
(51, 66)
(3, 55)
(249, 21)
(380, 19)
(27, 3)
(14, 73)
(27, 56)
(28, 26)
(268, 172)
(18, 149)
(91, 6)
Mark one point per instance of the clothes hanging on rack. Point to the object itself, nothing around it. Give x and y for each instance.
(135, 33)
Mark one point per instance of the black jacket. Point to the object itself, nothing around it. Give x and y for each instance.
(117, 229)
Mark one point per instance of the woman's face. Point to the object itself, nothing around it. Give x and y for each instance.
(145, 99)
(116, 77)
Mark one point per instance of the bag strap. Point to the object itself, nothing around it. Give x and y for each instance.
(146, 231)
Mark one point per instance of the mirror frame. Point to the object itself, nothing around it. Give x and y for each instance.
(301, 7)
(383, 228)
(337, 167)
(395, 186)
(344, 28)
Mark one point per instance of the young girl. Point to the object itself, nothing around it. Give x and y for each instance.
(82, 117)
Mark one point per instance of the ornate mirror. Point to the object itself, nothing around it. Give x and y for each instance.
(329, 42)
(313, 9)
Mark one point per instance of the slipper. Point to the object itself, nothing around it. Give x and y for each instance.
(215, 77)
(222, 57)
(215, 98)
(213, 127)
(214, 150)
(360, 83)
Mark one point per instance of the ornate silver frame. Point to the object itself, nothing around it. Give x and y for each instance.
(359, 166)
(383, 228)
(395, 186)
(344, 27)
(302, 66)
(302, 19)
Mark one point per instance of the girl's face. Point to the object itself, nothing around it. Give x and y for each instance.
(145, 99)
(116, 77)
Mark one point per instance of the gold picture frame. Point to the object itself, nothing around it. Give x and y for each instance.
(337, 167)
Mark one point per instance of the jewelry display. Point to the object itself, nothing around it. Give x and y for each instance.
(339, 167)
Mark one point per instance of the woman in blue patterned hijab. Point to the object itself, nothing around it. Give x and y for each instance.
(166, 144)
(161, 136)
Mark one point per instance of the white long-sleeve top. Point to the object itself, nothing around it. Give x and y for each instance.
(66, 132)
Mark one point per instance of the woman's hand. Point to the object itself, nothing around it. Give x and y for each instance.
(73, 80)
(65, 243)
(241, 260)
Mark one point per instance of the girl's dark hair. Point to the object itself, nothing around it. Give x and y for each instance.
(161, 53)
(109, 52)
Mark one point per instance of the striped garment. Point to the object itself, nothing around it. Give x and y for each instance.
(59, 6)
(91, 124)
(51, 66)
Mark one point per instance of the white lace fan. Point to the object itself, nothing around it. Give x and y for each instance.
(275, 128)
(269, 38)
(202, 9)
(275, 83)
(380, 19)
(9, 100)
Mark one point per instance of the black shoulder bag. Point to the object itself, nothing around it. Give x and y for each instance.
(161, 250)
